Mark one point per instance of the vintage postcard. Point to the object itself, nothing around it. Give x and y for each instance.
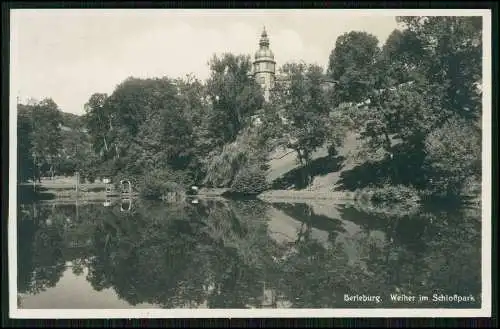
(218, 163)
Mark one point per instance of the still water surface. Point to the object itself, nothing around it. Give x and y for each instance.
(242, 254)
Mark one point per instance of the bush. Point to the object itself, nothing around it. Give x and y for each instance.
(91, 178)
(151, 189)
(222, 166)
(453, 155)
(160, 182)
(390, 194)
(251, 180)
(472, 186)
(388, 199)
(66, 167)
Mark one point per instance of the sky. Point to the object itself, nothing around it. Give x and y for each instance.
(69, 54)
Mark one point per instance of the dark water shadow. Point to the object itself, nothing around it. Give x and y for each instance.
(304, 213)
(236, 196)
(403, 230)
(26, 193)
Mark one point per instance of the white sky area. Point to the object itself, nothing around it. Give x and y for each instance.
(69, 54)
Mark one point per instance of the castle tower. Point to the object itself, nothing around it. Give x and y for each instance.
(264, 65)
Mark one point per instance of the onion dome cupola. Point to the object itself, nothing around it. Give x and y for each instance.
(264, 54)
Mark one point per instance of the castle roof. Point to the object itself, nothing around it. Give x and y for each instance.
(264, 53)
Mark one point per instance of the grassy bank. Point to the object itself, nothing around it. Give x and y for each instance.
(63, 188)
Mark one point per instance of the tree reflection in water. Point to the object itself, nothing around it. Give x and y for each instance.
(40, 245)
(219, 254)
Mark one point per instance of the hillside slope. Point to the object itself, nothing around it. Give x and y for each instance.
(285, 161)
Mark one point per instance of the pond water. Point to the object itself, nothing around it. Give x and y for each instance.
(244, 254)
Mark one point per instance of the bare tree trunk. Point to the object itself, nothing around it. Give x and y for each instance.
(388, 143)
(391, 154)
(300, 234)
(35, 214)
(302, 167)
(34, 173)
(307, 171)
(306, 165)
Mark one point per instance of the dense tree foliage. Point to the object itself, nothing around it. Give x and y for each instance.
(426, 80)
(353, 65)
(39, 136)
(451, 58)
(301, 116)
(173, 124)
(234, 95)
(25, 162)
(414, 103)
(454, 155)
(51, 142)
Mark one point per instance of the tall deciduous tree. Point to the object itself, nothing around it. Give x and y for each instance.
(182, 126)
(98, 122)
(401, 59)
(46, 142)
(148, 124)
(426, 74)
(451, 61)
(353, 64)
(302, 109)
(234, 95)
(451, 52)
(393, 125)
(196, 110)
(25, 168)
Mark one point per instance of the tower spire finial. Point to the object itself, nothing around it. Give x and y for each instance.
(264, 40)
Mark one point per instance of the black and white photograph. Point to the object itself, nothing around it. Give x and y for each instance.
(177, 163)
